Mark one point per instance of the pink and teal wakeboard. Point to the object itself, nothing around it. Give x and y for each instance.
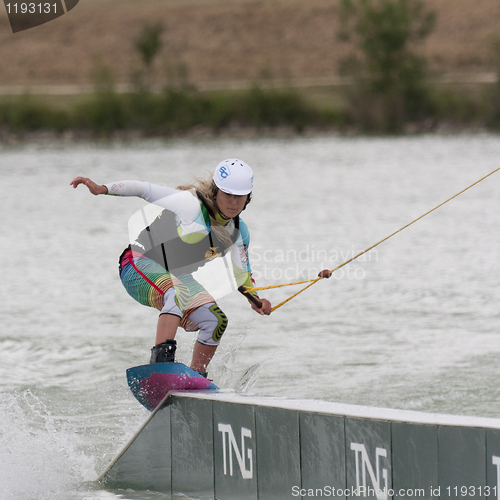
(151, 383)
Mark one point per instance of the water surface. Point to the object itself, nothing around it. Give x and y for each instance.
(414, 324)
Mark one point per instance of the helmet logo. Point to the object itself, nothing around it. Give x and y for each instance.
(224, 172)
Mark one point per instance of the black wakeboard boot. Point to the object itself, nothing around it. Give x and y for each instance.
(164, 352)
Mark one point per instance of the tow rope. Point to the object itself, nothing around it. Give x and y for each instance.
(323, 274)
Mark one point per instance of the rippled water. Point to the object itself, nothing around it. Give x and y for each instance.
(414, 324)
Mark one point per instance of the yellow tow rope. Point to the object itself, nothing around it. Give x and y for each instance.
(313, 281)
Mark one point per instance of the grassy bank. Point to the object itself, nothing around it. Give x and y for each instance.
(181, 111)
(227, 40)
(170, 112)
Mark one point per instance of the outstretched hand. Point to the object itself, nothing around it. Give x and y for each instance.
(94, 188)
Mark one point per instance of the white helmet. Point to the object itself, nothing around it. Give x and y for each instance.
(233, 177)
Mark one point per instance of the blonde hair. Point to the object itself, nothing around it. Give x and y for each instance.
(208, 190)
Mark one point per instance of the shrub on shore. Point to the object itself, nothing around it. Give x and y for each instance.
(169, 112)
(178, 111)
(391, 86)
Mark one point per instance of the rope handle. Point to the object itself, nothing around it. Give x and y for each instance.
(252, 298)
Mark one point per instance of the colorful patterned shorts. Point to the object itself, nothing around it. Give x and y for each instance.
(146, 281)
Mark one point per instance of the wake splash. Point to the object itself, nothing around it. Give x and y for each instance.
(40, 457)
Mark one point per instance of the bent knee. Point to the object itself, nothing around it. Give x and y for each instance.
(212, 325)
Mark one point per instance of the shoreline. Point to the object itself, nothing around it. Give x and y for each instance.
(445, 129)
(451, 78)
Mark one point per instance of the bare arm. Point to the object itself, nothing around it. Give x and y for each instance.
(94, 188)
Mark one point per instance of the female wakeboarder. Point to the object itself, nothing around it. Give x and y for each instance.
(198, 223)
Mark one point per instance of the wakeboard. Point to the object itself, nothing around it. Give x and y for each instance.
(151, 383)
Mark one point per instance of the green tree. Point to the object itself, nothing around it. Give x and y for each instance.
(493, 94)
(391, 75)
(149, 43)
